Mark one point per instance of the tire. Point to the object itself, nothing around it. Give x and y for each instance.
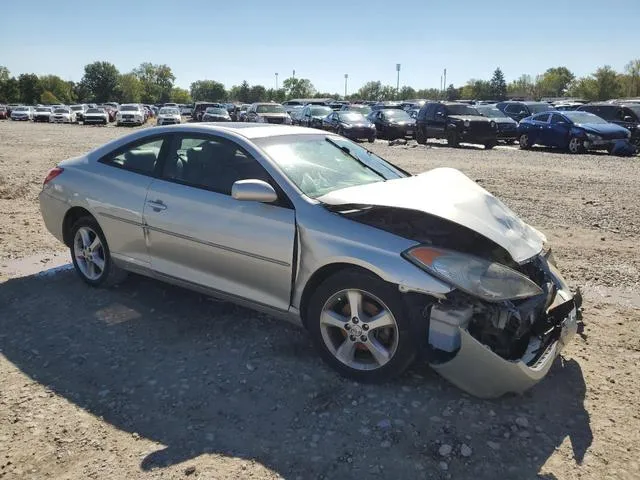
(524, 141)
(576, 145)
(393, 343)
(490, 145)
(117, 124)
(420, 136)
(371, 139)
(106, 273)
(452, 139)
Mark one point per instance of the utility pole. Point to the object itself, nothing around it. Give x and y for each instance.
(346, 77)
(440, 85)
(444, 84)
(294, 74)
(398, 80)
(276, 81)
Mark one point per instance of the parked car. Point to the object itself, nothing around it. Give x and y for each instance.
(386, 105)
(567, 107)
(376, 264)
(96, 115)
(200, 107)
(457, 122)
(520, 110)
(267, 113)
(130, 114)
(626, 115)
(79, 111)
(393, 123)
(112, 112)
(213, 114)
(186, 111)
(507, 126)
(171, 104)
(313, 115)
(352, 125)
(295, 113)
(22, 112)
(359, 107)
(575, 131)
(63, 115)
(4, 112)
(168, 116)
(42, 114)
(413, 112)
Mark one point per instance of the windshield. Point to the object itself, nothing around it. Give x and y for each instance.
(396, 114)
(320, 111)
(169, 111)
(461, 110)
(318, 164)
(635, 109)
(61, 110)
(539, 107)
(216, 111)
(491, 112)
(128, 108)
(352, 117)
(22, 109)
(41, 109)
(76, 107)
(96, 110)
(270, 109)
(363, 109)
(584, 117)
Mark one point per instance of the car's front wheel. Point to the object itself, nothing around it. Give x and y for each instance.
(358, 324)
(576, 145)
(452, 138)
(91, 256)
(420, 136)
(524, 141)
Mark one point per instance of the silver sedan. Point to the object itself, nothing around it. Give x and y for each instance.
(378, 265)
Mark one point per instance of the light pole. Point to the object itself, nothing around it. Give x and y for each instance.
(294, 74)
(398, 80)
(346, 77)
(276, 81)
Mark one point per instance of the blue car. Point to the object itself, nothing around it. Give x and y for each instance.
(574, 131)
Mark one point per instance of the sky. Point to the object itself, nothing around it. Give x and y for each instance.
(232, 41)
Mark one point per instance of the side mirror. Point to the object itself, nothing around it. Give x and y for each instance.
(253, 190)
(628, 118)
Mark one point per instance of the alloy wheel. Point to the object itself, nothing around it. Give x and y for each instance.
(575, 145)
(359, 329)
(89, 253)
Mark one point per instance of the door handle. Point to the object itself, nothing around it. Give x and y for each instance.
(157, 205)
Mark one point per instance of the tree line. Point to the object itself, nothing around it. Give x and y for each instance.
(151, 83)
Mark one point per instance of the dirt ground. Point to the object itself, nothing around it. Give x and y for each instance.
(151, 381)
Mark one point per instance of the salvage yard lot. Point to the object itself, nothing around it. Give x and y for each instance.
(149, 380)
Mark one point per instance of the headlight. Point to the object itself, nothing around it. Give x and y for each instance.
(481, 278)
(345, 125)
(287, 120)
(467, 123)
(493, 124)
(593, 137)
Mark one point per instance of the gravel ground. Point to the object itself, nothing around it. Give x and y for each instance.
(151, 381)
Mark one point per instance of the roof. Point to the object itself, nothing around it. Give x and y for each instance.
(251, 130)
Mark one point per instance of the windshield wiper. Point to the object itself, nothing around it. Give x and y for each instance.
(355, 157)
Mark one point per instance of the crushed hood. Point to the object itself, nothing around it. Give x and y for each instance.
(448, 193)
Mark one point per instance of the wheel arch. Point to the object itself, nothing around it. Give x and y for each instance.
(72, 215)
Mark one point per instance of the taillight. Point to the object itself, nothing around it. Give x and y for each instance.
(53, 173)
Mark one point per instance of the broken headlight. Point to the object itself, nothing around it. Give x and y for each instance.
(490, 281)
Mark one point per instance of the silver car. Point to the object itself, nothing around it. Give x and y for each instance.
(378, 265)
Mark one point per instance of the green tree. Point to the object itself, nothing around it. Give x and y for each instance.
(554, 82)
(180, 95)
(428, 93)
(477, 90)
(257, 93)
(81, 92)
(157, 82)
(30, 88)
(604, 84)
(498, 86)
(10, 91)
(298, 87)
(407, 93)
(48, 98)
(207, 90)
(4, 74)
(585, 87)
(276, 95)
(522, 87)
(59, 88)
(631, 79)
(101, 80)
(130, 88)
(453, 93)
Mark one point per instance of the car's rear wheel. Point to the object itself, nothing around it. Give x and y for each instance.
(91, 256)
(371, 139)
(452, 138)
(358, 325)
(420, 137)
(524, 141)
(490, 145)
(576, 145)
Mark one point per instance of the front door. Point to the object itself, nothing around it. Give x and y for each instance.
(199, 233)
(558, 131)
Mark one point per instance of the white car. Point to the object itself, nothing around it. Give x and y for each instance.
(130, 114)
(63, 115)
(169, 116)
(186, 111)
(42, 114)
(22, 113)
(80, 111)
(96, 115)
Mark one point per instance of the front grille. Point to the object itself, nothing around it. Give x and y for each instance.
(275, 120)
(481, 127)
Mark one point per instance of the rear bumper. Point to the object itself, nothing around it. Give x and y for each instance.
(479, 371)
(53, 212)
(355, 134)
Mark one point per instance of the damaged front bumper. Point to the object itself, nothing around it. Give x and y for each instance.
(476, 369)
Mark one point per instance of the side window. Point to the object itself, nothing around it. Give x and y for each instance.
(440, 111)
(140, 157)
(543, 117)
(555, 118)
(211, 163)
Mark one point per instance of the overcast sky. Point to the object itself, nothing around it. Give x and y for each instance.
(231, 41)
